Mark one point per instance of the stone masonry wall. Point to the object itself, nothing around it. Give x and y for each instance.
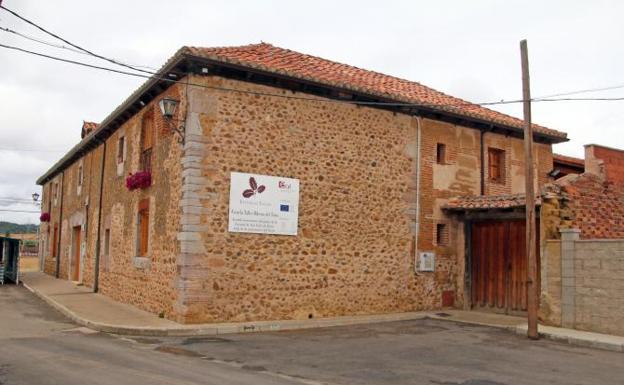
(146, 282)
(353, 253)
(355, 250)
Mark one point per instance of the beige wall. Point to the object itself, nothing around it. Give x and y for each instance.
(147, 283)
(355, 250)
(356, 247)
(583, 285)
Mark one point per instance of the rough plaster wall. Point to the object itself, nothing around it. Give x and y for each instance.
(353, 253)
(550, 296)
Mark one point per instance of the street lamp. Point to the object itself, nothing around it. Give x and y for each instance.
(35, 197)
(167, 108)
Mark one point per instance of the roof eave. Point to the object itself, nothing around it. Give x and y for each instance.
(100, 134)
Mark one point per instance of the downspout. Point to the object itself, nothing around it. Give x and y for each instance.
(417, 224)
(60, 231)
(96, 272)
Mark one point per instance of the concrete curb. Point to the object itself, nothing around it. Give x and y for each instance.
(226, 328)
(588, 340)
(571, 337)
(584, 339)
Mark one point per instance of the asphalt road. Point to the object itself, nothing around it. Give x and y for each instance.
(38, 346)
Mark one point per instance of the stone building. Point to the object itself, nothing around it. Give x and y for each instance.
(394, 179)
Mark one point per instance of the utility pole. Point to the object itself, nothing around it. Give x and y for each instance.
(532, 294)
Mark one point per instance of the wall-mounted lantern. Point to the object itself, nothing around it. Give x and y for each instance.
(168, 107)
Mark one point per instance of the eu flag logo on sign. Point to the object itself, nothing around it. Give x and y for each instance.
(284, 208)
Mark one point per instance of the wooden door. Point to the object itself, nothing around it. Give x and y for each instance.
(499, 265)
(76, 254)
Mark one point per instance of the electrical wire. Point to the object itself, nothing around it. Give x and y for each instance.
(20, 211)
(136, 68)
(582, 91)
(72, 44)
(60, 46)
(364, 103)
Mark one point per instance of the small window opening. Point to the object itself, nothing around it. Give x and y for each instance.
(121, 142)
(496, 165)
(441, 153)
(442, 236)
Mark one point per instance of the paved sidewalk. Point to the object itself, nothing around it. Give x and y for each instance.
(101, 313)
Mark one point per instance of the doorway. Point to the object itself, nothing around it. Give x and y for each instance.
(499, 266)
(75, 263)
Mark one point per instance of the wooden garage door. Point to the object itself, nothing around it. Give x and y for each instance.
(499, 265)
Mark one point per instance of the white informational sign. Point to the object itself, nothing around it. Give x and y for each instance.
(263, 204)
(426, 261)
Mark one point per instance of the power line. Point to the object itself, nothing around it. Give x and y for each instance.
(72, 44)
(20, 211)
(389, 104)
(31, 38)
(582, 92)
(79, 49)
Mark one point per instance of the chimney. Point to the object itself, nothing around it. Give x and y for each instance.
(87, 128)
(605, 162)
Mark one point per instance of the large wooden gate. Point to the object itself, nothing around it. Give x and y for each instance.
(499, 265)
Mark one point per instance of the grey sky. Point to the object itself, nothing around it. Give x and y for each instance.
(465, 48)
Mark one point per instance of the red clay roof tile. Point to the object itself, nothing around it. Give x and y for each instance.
(485, 202)
(278, 60)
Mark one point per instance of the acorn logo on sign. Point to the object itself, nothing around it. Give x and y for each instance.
(248, 193)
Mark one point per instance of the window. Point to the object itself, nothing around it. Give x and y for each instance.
(442, 235)
(441, 153)
(143, 228)
(121, 143)
(147, 139)
(496, 165)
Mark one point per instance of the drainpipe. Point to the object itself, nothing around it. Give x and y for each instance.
(417, 224)
(60, 231)
(482, 171)
(96, 272)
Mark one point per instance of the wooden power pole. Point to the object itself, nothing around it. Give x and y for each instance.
(532, 293)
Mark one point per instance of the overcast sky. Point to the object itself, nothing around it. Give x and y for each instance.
(469, 49)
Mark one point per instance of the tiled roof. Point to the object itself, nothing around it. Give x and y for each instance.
(484, 202)
(569, 160)
(269, 58)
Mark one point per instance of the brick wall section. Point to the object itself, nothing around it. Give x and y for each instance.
(607, 161)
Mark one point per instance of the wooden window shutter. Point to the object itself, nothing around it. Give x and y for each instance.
(495, 164)
(147, 130)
